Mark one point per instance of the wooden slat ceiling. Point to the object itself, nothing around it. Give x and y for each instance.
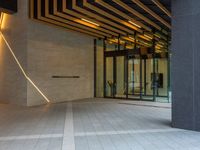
(146, 19)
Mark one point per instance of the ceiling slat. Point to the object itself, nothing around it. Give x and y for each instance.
(108, 28)
(162, 7)
(106, 14)
(72, 20)
(106, 5)
(136, 13)
(93, 15)
(143, 6)
(53, 22)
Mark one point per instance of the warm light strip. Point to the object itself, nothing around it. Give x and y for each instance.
(131, 38)
(134, 24)
(21, 68)
(144, 37)
(159, 45)
(147, 36)
(158, 36)
(1, 19)
(90, 22)
(116, 41)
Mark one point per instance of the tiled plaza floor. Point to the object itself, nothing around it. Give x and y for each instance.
(94, 124)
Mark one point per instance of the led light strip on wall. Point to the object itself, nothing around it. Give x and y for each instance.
(21, 68)
(19, 65)
(1, 19)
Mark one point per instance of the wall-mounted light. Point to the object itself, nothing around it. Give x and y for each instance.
(131, 22)
(88, 21)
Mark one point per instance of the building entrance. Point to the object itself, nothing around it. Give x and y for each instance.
(129, 74)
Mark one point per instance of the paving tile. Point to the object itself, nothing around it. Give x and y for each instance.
(98, 124)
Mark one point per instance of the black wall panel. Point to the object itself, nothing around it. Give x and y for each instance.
(8, 6)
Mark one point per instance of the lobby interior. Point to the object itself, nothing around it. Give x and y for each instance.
(99, 75)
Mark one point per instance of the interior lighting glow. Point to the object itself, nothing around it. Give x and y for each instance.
(1, 19)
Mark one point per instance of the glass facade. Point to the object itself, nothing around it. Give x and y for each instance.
(120, 73)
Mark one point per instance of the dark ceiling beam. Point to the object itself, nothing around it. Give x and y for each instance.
(78, 16)
(122, 14)
(72, 20)
(129, 26)
(86, 12)
(8, 6)
(147, 9)
(136, 13)
(162, 7)
(39, 18)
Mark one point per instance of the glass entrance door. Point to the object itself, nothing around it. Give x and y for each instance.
(115, 77)
(134, 79)
(161, 80)
(120, 77)
(148, 81)
(140, 80)
(109, 77)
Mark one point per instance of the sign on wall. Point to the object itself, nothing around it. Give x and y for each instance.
(8, 6)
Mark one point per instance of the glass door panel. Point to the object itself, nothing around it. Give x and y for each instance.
(162, 80)
(120, 77)
(147, 77)
(130, 77)
(134, 85)
(137, 78)
(109, 92)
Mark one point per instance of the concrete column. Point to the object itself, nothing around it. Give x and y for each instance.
(186, 64)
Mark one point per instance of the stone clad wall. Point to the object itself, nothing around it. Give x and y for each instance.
(13, 85)
(56, 52)
(43, 51)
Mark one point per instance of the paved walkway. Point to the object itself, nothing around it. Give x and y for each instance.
(93, 124)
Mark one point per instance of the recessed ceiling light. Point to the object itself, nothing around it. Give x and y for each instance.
(88, 21)
(131, 38)
(134, 24)
(147, 36)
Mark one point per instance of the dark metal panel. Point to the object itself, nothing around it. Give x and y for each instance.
(8, 6)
